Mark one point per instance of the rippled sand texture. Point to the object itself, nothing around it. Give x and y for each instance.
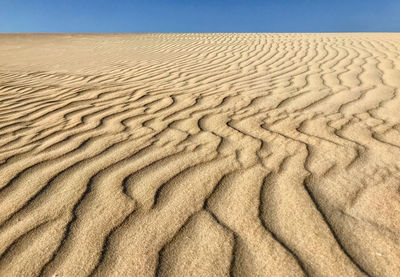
(200, 155)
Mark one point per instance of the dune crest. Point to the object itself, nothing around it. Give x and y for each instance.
(200, 155)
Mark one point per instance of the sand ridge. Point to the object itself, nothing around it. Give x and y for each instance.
(200, 155)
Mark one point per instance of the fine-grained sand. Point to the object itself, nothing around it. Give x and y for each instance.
(200, 155)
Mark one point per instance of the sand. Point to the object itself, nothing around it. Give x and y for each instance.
(200, 155)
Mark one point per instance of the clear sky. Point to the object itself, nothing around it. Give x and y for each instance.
(135, 16)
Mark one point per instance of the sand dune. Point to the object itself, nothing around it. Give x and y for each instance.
(200, 155)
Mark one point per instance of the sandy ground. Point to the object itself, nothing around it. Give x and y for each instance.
(200, 155)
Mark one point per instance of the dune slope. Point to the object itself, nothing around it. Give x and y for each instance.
(200, 155)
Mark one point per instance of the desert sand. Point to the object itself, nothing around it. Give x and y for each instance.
(200, 155)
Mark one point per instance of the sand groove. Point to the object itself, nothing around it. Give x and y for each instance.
(200, 155)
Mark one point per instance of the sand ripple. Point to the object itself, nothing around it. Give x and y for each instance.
(200, 155)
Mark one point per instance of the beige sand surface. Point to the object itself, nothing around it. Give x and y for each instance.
(200, 155)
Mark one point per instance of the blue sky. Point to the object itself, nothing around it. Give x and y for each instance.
(137, 16)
